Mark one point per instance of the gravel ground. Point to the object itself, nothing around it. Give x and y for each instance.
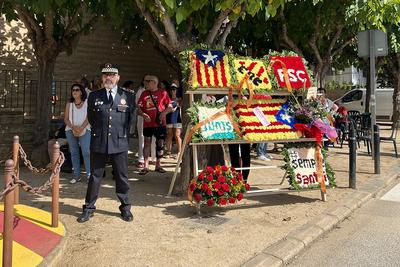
(166, 231)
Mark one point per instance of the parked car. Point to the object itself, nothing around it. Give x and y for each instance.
(355, 100)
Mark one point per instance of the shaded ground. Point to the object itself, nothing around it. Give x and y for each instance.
(166, 232)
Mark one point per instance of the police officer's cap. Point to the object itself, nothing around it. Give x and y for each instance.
(109, 68)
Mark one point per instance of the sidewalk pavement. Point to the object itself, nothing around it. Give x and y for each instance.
(259, 231)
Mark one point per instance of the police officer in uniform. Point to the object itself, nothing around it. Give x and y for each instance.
(110, 112)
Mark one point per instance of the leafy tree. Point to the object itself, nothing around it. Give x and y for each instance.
(178, 25)
(321, 38)
(54, 26)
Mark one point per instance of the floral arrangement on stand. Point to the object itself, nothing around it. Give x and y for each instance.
(312, 119)
(217, 186)
(275, 125)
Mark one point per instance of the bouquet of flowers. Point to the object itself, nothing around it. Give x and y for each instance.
(217, 186)
(312, 118)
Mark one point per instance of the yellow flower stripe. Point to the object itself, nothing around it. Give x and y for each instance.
(270, 136)
(263, 101)
(274, 127)
(270, 118)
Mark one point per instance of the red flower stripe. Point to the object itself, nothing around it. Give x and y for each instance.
(215, 76)
(198, 72)
(245, 124)
(251, 114)
(251, 66)
(260, 71)
(223, 77)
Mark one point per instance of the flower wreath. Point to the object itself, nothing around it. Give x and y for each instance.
(290, 170)
(217, 186)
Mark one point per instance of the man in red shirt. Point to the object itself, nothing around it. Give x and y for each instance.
(154, 104)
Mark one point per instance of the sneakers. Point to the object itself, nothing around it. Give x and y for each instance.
(75, 180)
(264, 158)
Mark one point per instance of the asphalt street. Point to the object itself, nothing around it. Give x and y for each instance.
(369, 237)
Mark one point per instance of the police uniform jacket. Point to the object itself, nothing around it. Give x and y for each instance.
(110, 121)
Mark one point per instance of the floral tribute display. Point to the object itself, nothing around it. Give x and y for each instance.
(301, 167)
(211, 121)
(217, 186)
(209, 68)
(295, 68)
(312, 119)
(255, 70)
(265, 119)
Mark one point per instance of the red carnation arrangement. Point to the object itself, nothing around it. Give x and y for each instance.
(217, 186)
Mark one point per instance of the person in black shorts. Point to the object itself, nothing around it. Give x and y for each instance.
(154, 104)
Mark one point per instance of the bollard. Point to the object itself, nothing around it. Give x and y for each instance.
(15, 151)
(55, 187)
(377, 150)
(352, 155)
(8, 217)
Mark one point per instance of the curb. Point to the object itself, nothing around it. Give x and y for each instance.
(55, 256)
(283, 251)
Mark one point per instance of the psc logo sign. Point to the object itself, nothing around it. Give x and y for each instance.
(297, 73)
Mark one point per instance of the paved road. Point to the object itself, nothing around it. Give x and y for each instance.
(370, 237)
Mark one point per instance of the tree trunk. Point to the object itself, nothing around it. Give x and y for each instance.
(396, 86)
(43, 109)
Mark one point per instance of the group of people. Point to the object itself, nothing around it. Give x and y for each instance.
(99, 122)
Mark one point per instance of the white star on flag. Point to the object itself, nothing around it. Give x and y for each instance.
(209, 57)
(286, 117)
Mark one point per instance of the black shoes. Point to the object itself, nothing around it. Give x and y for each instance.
(126, 215)
(85, 216)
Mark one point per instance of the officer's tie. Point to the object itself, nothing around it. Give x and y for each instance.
(110, 98)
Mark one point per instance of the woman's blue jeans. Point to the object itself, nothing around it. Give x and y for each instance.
(74, 143)
(262, 149)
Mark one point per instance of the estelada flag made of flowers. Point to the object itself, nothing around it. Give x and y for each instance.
(209, 68)
(270, 125)
(256, 71)
(295, 68)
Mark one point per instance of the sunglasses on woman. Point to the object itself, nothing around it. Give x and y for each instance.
(76, 89)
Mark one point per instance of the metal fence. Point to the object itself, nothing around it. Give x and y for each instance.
(18, 93)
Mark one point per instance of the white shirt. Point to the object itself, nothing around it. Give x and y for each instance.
(113, 92)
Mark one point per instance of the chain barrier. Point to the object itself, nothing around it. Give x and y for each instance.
(14, 182)
(28, 163)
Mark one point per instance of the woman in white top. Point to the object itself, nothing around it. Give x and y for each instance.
(77, 130)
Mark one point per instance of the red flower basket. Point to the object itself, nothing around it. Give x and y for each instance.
(217, 186)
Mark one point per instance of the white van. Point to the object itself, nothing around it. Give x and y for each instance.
(355, 100)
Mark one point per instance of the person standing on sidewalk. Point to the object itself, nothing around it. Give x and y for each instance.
(154, 104)
(262, 153)
(110, 113)
(77, 130)
(139, 124)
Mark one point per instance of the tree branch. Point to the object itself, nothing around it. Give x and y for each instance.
(288, 42)
(226, 32)
(49, 27)
(217, 25)
(169, 26)
(334, 39)
(72, 20)
(315, 35)
(29, 21)
(340, 48)
(154, 28)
